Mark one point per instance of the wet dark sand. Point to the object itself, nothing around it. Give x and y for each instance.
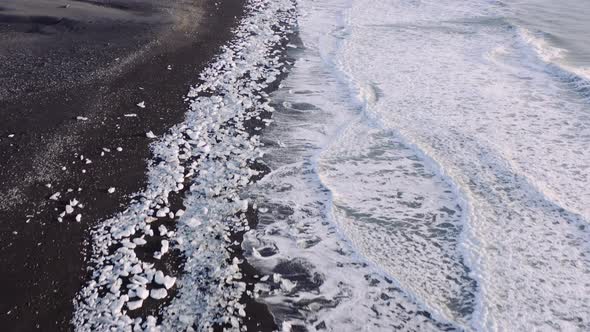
(88, 59)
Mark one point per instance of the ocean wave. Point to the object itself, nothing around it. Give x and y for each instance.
(555, 58)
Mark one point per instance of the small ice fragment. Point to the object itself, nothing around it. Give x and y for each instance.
(130, 115)
(116, 306)
(141, 105)
(276, 277)
(55, 196)
(119, 149)
(286, 327)
(139, 280)
(169, 67)
(88, 161)
(111, 190)
(74, 202)
(136, 269)
(139, 241)
(165, 246)
(169, 282)
(132, 305)
(159, 277)
(81, 118)
(162, 212)
(163, 230)
(69, 209)
(150, 134)
(287, 285)
(142, 293)
(11, 136)
(48, 185)
(78, 217)
(158, 294)
(265, 278)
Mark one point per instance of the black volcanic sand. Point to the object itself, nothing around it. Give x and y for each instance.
(60, 60)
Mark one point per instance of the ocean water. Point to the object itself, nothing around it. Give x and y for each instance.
(430, 168)
(562, 24)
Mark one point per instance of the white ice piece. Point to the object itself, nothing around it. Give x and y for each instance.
(158, 293)
(142, 293)
(169, 282)
(132, 305)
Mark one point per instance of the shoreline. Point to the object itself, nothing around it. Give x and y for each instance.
(219, 133)
(38, 294)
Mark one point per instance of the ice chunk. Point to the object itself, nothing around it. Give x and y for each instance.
(139, 280)
(162, 212)
(165, 246)
(159, 278)
(139, 241)
(142, 293)
(132, 305)
(169, 282)
(158, 294)
(141, 105)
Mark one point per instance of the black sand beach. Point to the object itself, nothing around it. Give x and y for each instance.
(69, 72)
